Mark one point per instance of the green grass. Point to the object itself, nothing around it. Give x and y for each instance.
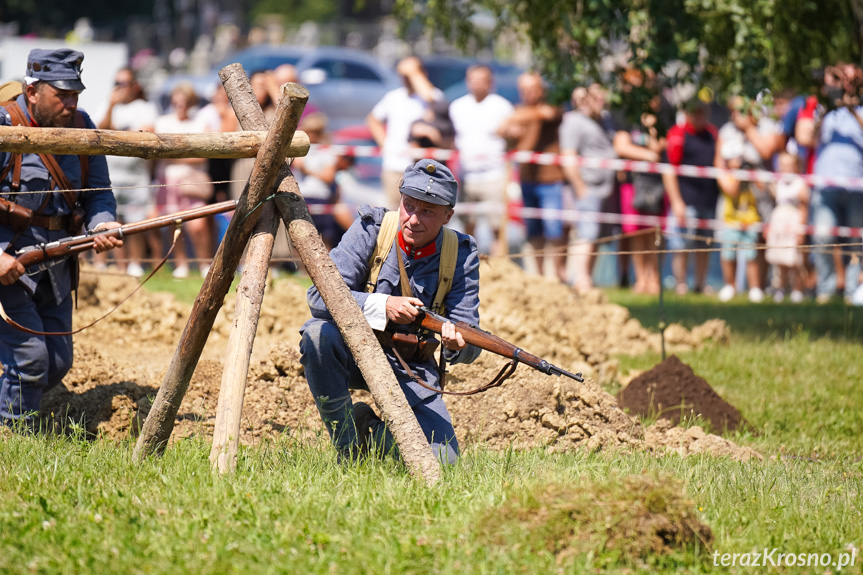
(73, 506)
(835, 319)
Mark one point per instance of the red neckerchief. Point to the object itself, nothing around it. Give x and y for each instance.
(417, 253)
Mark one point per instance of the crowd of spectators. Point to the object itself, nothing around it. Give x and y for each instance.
(757, 224)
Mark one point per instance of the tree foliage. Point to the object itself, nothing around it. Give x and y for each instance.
(733, 46)
(296, 11)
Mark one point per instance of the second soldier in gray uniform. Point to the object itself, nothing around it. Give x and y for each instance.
(428, 195)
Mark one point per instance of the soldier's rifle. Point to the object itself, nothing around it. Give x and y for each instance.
(41, 256)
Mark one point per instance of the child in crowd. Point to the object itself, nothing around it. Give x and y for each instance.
(784, 234)
(739, 213)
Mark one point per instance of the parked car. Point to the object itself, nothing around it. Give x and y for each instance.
(344, 84)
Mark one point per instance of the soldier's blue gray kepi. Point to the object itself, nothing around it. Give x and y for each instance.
(61, 68)
(430, 181)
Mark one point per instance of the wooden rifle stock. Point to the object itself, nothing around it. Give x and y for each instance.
(60, 249)
(490, 342)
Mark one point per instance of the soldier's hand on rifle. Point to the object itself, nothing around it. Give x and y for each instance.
(10, 270)
(402, 309)
(450, 338)
(104, 243)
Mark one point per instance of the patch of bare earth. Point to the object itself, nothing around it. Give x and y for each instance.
(120, 363)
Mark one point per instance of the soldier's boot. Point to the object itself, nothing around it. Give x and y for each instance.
(338, 417)
(373, 435)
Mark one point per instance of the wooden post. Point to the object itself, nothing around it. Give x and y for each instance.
(349, 318)
(160, 421)
(19, 139)
(250, 296)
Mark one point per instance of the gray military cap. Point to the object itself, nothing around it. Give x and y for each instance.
(430, 181)
(61, 68)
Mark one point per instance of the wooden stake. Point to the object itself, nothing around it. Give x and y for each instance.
(147, 145)
(250, 296)
(160, 421)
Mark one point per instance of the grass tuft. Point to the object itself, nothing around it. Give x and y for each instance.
(615, 521)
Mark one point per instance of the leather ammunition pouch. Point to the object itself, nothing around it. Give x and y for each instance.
(13, 216)
(75, 221)
(411, 347)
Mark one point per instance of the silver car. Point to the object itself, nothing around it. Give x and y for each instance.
(344, 84)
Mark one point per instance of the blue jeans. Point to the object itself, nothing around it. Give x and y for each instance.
(676, 239)
(734, 240)
(331, 371)
(547, 197)
(32, 364)
(833, 207)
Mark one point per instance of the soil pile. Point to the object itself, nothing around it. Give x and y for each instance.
(671, 390)
(121, 361)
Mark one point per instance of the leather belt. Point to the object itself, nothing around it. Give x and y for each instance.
(51, 223)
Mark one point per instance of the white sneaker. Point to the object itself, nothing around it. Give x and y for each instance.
(756, 295)
(857, 297)
(181, 272)
(204, 271)
(134, 270)
(779, 296)
(796, 296)
(727, 292)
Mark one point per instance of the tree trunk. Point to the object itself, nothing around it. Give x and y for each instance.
(147, 145)
(160, 421)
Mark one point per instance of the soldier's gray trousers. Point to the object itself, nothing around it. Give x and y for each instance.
(32, 364)
(331, 371)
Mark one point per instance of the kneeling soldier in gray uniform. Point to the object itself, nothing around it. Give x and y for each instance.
(425, 264)
(42, 302)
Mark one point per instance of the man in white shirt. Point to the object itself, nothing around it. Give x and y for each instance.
(476, 118)
(391, 118)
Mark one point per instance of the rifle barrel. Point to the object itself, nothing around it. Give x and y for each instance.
(490, 342)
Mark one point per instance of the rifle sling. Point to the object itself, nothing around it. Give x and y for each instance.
(5, 317)
(60, 179)
(502, 376)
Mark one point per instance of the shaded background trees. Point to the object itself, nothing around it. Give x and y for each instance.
(733, 46)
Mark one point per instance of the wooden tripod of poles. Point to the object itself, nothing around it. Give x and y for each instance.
(272, 175)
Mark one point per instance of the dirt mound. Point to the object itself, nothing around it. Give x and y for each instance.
(673, 391)
(532, 408)
(664, 435)
(99, 395)
(650, 515)
(120, 363)
(576, 332)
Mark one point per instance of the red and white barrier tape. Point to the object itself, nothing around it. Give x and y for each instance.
(547, 159)
(570, 215)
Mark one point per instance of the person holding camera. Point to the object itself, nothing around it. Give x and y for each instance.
(839, 153)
